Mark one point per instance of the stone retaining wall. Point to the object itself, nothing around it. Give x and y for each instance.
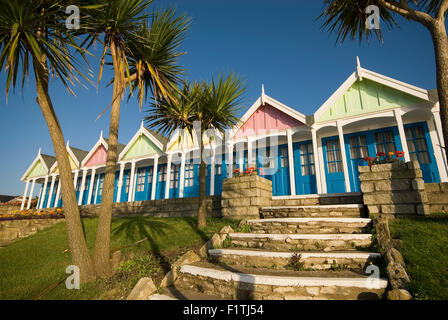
(183, 207)
(394, 189)
(437, 196)
(242, 197)
(12, 230)
(8, 209)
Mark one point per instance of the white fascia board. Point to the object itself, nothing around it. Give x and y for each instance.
(340, 91)
(396, 84)
(141, 131)
(100, 141)
(38, 157)
(272, 102)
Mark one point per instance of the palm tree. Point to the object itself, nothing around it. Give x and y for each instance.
(144, 57)
(32, 34)
(215, 105)
(347, 18)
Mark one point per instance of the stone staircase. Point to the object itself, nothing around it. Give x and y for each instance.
(292, 252)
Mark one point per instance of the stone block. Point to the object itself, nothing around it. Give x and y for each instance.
(398, 294)
(432, 187)
(418, 184)
(398, 209)
(363, 169)
(367, 187)
(142, 290)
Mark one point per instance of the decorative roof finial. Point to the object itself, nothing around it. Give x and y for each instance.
(68, 143)
(262, 94)
(39, 151)
(358, 68)
(141, 125)
(101, 134)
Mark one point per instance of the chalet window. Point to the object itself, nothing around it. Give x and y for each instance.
(334, 158)
(418, 148)
(307, 159)
(384, 142)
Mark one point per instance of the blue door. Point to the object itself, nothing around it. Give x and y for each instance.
(78, 188)
(334, 169)
(47, 195)
(99, 184)
(358, 146)
(281, 178)
(174, 181)
(141, 186)
(53, 195)
(420, 149)
(191, 186)
(220, 172)
(160, 191)
(208, 174)
(125, 187)
(304, 168)
(86, 190)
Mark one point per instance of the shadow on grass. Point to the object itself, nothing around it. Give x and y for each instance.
(140, 228)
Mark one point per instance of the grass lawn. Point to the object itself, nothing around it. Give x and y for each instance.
(425, 250)
(29, 266)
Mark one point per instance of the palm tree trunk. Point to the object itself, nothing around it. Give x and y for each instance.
(102, 245)
(76, 239)
(202, 214)
(439, 38)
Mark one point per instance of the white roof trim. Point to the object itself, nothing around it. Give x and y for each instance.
(272, 102)
(141, 131)
(100, 141)
(72, 155)
(175, 137)
(38, 157)
(361, 73)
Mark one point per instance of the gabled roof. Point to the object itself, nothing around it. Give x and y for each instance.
(263, 100)
(361, 74)
(75, 154)
(189, 142)
(158, 140)
(101, 142)
(46, 161)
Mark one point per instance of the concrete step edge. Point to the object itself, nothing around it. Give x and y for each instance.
(318, 219)
(296, 236)
(283, 281)
(304, 255)
(331, 206)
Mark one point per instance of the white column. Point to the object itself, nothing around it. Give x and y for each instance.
(75, 179)
(438, 128)
(439, 153)
(39, 199)
(249, 153)
(182, 176)
(92, 182)
(44, 193)
(83, 182)
(96, 189)
(230, 160)
(53, 179)
(168, 177)
(31, 194)
(154, 179)
(120, 181)
(134, 186)
(320, 151)
(404, 143)
(240, 155)
(212, 171)
(344, 157)
(25, 194)
(131, 182)
(317, 163)
(292, 176)
(58, 193)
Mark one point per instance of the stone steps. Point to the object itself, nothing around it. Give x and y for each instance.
(282, 260)
(346, 210)
(236, 282)
(302, 242)
(310, 225)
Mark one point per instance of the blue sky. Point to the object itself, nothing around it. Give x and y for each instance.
(276, 43)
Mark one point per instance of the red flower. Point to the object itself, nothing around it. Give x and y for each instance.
(236, 171)
(251, 169)
(380, 154)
